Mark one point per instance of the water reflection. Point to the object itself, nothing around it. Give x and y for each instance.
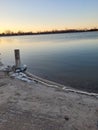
(70, 59)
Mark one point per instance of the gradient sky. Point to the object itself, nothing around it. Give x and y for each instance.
(40, 15)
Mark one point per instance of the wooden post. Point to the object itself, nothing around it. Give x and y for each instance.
(17, 58)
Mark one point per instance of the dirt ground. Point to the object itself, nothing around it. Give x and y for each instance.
(36, 106)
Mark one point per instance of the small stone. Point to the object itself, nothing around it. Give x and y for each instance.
(66, 117)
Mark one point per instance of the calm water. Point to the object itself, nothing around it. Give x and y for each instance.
(70, 59)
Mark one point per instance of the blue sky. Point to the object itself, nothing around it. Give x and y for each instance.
(40, 15)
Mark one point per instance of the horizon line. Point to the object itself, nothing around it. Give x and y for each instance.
(48, 32)
(52, 30)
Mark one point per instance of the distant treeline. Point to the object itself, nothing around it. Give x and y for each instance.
(10, 33)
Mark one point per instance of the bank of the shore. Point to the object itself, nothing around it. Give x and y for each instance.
(38, 106)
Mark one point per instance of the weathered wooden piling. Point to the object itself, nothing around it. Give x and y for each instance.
(17, 58)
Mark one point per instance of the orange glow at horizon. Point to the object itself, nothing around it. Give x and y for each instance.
(42, 28)
(47, 15)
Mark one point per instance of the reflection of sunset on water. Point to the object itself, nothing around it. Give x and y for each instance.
(68, 58)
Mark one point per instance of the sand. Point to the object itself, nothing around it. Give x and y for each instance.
(38, 106)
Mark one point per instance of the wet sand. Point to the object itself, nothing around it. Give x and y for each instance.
(42, 106)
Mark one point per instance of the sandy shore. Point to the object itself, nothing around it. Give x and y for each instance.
(38, 106)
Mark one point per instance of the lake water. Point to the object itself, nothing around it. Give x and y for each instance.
(70, 59)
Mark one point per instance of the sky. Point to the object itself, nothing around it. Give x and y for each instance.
(42, 15)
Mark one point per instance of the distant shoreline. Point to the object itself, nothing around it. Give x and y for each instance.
(46, 32)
